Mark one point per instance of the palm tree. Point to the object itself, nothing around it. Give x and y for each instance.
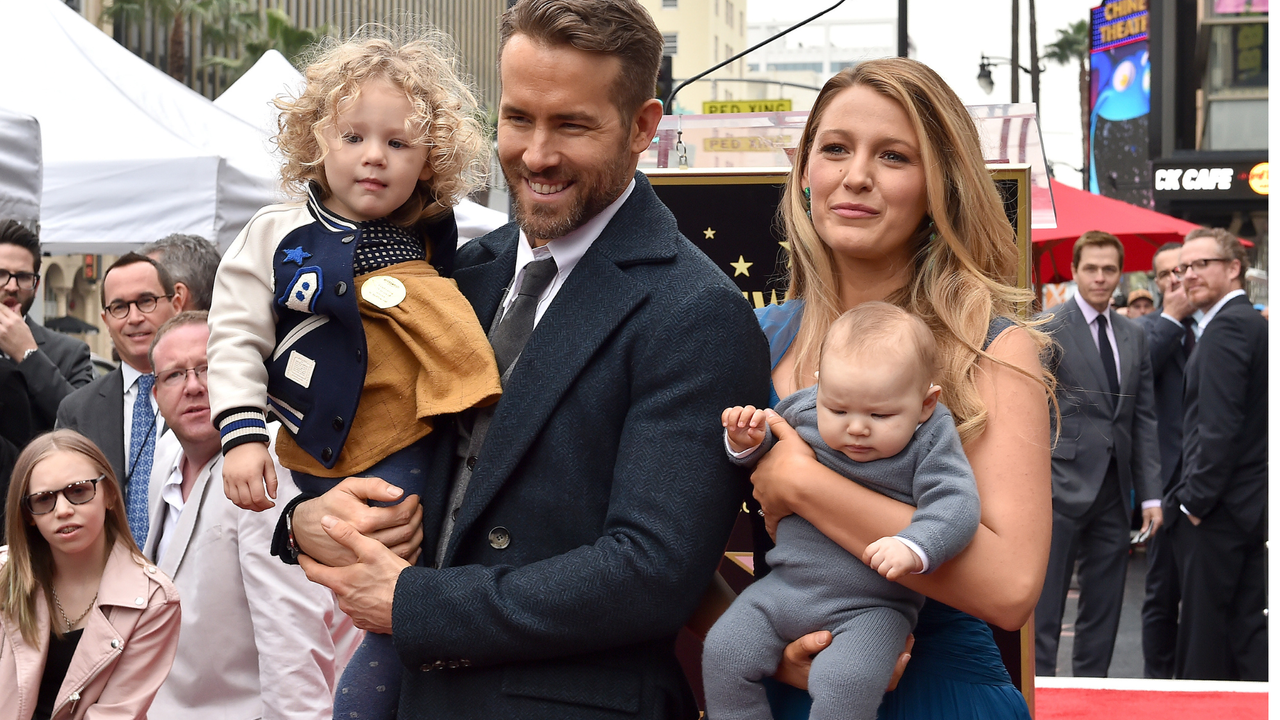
(280, 34)
(1073, 46)
(177, 14)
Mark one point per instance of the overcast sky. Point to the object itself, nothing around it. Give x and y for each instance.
(951, 36)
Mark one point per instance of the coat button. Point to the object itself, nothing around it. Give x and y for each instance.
(359, 355)
(151, 569)
(115, 644)
(426, 668)
(338, 424)
(471, 462)
(348, 238)
(326, 454)
(453, 664)
(499, 538)
(139, 601)
(464, 663)
(340, 289)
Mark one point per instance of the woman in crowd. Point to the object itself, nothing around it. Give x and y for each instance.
(889, 199)
(88, 628)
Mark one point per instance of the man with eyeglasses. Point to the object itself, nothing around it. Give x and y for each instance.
(117, 411)
(1220, 531)
(258, 639)
(49, 364)
(1170, 339)
(1106, 458)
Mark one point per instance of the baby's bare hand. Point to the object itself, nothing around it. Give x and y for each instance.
(244, 471)
(744, 425)
(891, 557)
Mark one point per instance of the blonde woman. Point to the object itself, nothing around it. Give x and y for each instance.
(88, 628)
(889, 199)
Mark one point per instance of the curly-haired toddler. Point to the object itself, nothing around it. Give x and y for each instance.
(329, 314)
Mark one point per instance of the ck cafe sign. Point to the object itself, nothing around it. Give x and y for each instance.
(1209, 181)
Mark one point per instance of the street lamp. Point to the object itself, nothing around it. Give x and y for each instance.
(988, 83)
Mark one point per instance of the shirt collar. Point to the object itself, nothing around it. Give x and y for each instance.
(130, 374)
(332, 221)
(1208, 315)
(1089, 313)
(569, 248)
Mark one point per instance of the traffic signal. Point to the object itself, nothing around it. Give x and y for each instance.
(664, 83)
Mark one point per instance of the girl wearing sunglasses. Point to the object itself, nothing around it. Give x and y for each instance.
(88, 627)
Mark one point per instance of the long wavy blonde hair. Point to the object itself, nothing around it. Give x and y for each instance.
(965, 262)
(445, 116)
(28, 573)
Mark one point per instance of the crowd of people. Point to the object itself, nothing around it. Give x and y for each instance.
(354, 469)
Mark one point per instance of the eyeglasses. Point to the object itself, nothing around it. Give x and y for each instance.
(120, 308)
(25, 280)
(77, 493)
(177, 377)
(1197, 265)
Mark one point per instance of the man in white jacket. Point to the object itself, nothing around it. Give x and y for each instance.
(258, 639)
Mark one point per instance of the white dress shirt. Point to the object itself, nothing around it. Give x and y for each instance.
(1091, 317)
(1211, 312)
(567, 251)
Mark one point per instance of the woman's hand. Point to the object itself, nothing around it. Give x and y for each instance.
(797, 659)
(781, 471)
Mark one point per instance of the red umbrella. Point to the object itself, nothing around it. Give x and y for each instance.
(1141, 231)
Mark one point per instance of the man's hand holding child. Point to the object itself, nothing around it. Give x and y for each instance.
(744, 427)
(243, 471)
(891, 557)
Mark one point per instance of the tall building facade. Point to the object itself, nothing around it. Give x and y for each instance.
(473, 25)
(698, 34)
(1208, 126)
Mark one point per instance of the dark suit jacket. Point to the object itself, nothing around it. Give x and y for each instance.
(97, 412)
(604, 469)
(1164, 342)
(61, 365)
(1224, 460)
(1096, 424)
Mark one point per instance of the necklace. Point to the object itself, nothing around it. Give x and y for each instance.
(72, 623)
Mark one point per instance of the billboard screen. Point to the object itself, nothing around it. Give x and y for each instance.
(1120, 102)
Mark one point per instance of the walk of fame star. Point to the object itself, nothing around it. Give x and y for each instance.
(709, 234)
(740, 267)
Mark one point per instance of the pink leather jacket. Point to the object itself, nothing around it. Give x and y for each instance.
(122, 658)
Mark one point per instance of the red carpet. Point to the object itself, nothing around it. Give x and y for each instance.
(1057, 699)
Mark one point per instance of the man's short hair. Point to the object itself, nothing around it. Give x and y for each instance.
(13, 232)
(186, 317)
(190, 260)
(618, 28)
(1096, 238)
(1164, 248)
(133, 258)
(1229, 245)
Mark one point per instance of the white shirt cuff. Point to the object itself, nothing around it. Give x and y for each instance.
(1184, 510)
(1151, 503)
(1171, 319)
(733, 453)
(924, 559)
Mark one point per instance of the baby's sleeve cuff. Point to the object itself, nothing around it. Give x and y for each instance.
(242, 425)
(924, 559)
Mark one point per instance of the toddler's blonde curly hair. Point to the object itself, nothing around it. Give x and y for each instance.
(444, 117)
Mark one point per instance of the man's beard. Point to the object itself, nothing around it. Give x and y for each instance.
(598, 190)
(25, 305)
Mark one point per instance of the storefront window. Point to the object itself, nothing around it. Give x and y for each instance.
(1236, 75)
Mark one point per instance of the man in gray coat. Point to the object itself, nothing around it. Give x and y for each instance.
(50, 364)
(1106, 453)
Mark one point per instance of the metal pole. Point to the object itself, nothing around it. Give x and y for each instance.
(903, 41)
(1035, 56)
(1013, 58)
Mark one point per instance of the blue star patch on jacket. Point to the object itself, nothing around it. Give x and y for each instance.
(295, 255)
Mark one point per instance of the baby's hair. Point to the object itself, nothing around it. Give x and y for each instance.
(879, 327)
(445, 117)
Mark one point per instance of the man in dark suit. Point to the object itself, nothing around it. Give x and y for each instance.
(117, 411)
(1220, 532)
(1106, 452)
(50, 365)
(583, 516)
(1170, 339)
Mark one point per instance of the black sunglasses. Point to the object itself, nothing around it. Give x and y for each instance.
(77, 493)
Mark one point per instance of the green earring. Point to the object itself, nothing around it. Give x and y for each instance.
(808, 209)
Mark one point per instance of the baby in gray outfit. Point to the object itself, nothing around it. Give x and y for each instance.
(873, 417)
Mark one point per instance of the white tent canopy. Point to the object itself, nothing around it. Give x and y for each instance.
(250, 99)
(130, 155)
(20, 170)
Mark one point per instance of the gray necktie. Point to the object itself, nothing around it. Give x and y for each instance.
(517, 323)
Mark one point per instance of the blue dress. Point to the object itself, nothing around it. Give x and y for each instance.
(955, 671)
